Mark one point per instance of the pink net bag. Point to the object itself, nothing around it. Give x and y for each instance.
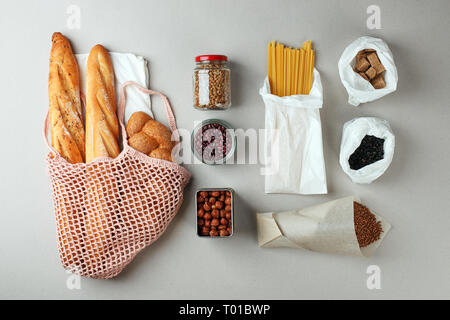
(108, 210)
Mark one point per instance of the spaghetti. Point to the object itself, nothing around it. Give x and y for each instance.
(290, 70)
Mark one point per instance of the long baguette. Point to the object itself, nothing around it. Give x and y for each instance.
(102, 127)
(102, 132)
(66, 120)
(68, 138)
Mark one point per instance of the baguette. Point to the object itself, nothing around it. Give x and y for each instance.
(68, 138)
(66, 120)
(102, 127)
(102, 132)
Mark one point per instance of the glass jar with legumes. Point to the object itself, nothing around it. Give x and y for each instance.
(211, 82)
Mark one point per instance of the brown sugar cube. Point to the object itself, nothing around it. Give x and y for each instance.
(375, 62)
(361, 54)
(373, 59)
(379, 68)
(378, 82)
(369, 51)
(371, 73)
(362, 65)
(362, 74)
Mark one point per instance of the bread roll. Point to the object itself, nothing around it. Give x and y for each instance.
(149, 136)
(66, 120)
(102, 127)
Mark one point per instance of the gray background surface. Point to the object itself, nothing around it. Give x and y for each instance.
(412, 194)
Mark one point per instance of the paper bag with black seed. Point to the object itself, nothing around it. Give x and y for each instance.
(343, 226)
(367, 148)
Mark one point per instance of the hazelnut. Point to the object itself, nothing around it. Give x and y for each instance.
(215, 213)
(215, 222)
(205, 230)
(214, 194)
(223, 233)
(213, 233)
(207, 216)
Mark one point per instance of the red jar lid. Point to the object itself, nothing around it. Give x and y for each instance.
(211, 57)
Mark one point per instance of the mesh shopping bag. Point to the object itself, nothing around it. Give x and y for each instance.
(108, 210)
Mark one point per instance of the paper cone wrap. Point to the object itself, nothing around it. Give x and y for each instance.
(328, 227)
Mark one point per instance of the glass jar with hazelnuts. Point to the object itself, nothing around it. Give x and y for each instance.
(215, 212)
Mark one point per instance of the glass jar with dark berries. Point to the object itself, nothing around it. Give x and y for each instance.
(212, 82)
(213, 141)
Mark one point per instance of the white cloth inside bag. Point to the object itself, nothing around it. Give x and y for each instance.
(127, 67)
(293, 142)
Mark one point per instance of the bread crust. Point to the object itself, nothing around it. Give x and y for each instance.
(66, 119)
(149, 136)
(102, 127)
(136, 122)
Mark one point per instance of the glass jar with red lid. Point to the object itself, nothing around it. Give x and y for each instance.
(212, 82)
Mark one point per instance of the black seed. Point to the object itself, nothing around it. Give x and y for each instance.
(369, 151)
